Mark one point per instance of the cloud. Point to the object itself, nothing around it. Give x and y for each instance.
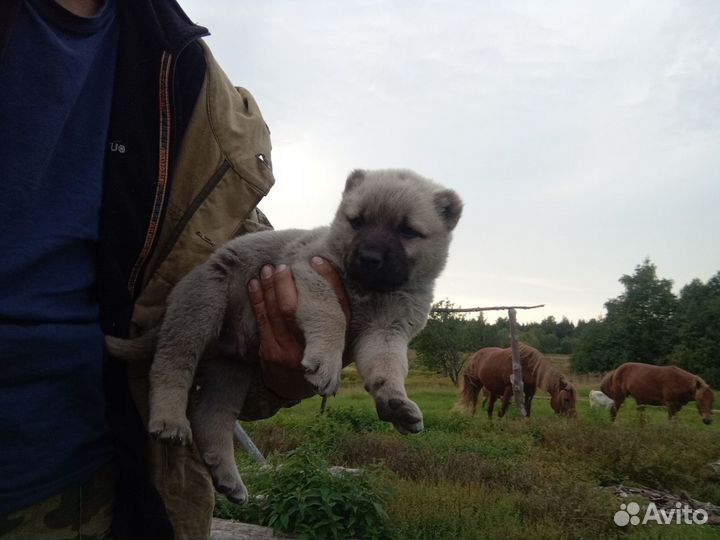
(582, 136)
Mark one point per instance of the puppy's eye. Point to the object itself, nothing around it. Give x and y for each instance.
(408, 232)
(356, 222)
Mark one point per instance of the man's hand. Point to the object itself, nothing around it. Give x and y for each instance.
(274, 301)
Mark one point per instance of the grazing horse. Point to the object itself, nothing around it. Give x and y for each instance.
(490, 368)
(660, 385)
(606, 384)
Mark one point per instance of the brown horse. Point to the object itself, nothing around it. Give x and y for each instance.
(490, 368)
(660, 385)
(606, 384)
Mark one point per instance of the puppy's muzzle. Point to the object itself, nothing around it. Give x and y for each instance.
(371, 259)
(379, 262)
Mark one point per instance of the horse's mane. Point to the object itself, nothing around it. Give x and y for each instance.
(543, 373)
(701, 386)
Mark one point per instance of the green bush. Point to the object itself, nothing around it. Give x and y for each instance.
(301, 496)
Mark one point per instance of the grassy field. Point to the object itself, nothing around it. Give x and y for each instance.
(469, 477)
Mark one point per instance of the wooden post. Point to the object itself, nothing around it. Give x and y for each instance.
(246, 442)
(516, 378)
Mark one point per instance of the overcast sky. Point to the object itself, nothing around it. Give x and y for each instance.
(582, 136)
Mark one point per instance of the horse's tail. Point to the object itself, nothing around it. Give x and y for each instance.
(468, 397)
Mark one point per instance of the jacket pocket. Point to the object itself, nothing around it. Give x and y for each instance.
(192, 208)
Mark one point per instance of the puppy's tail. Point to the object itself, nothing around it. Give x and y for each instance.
(141, 348)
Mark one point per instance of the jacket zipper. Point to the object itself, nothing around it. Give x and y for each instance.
(163, 164)
(167, 132)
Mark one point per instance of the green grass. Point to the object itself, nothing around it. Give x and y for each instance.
(469, 477)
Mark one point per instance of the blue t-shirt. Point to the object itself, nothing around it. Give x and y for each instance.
(56, 82)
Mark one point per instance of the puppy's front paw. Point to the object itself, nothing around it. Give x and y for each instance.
(404, 415)
(176, 431)
(322, 374)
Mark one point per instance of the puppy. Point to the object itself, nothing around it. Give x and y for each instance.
(389, 240)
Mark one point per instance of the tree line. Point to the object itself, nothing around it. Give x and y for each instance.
(649, 323)
(646, 323)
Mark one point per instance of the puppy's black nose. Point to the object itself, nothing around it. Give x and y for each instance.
(370, 259)
(707, 421)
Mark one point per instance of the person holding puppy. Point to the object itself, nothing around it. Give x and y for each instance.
(126, 157)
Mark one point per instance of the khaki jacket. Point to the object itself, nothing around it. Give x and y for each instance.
(223, 170)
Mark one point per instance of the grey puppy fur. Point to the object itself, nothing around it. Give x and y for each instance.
(389, 240)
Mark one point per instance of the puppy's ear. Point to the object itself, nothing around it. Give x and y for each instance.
(354, 180)
(449, 207)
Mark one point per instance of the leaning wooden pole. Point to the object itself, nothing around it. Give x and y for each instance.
(323, 405)
(517, 378)
(244, 439)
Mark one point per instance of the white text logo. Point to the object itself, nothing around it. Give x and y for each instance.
(629, 514)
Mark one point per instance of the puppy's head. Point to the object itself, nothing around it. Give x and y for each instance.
(393, 228)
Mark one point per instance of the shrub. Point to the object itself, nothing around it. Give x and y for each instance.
(301, 496)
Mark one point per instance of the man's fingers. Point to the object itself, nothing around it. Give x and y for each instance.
(285, 293)
(277, 323)
(274, 300)
(326, 270)
(255, 293)
(289, 346)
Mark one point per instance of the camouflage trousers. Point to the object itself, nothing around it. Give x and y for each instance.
(78, 513)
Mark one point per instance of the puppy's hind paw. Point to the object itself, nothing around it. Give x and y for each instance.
(324, 377)
(236, 493)
(176, 432)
